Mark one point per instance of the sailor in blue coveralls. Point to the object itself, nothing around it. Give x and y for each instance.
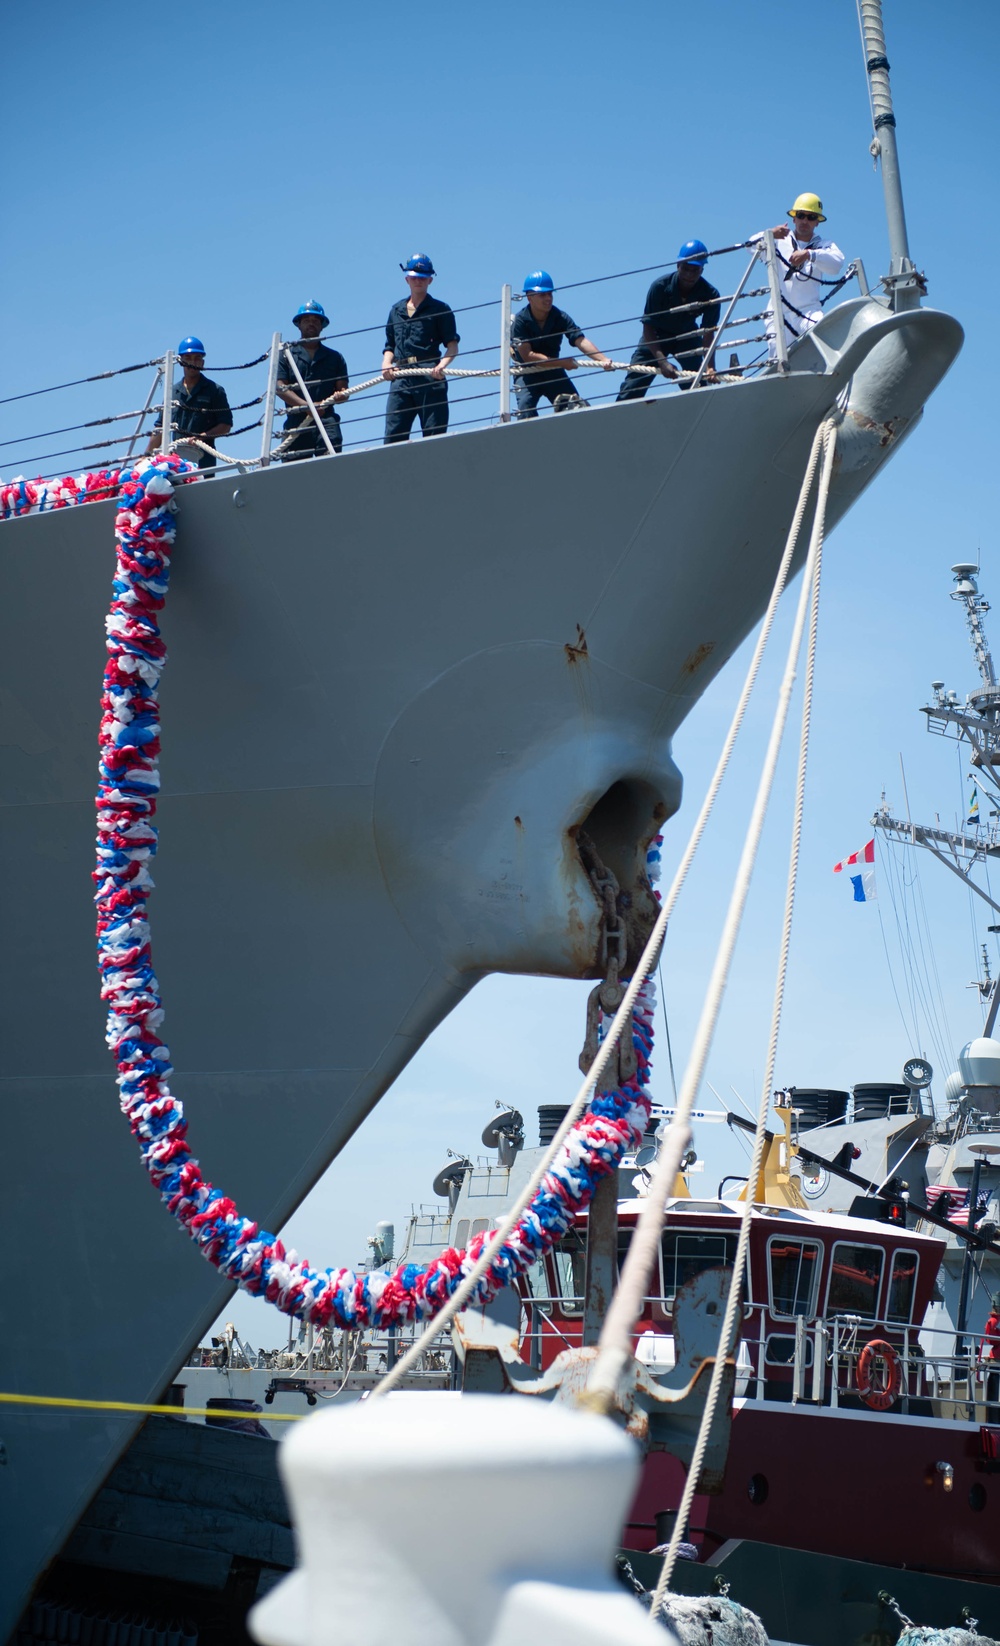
(536, 334)
(324, 373)
(417, 329)
(199, 407)
(688, 336)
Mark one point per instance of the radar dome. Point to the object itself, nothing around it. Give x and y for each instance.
(954, 1086)
(979, 1063)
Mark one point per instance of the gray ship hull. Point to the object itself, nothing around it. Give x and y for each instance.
(398, 684)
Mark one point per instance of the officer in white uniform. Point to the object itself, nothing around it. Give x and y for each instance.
(805, 260)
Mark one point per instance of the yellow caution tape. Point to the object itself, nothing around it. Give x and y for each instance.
(136, 1406)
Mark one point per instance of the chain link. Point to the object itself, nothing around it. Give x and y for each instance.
(605, 999)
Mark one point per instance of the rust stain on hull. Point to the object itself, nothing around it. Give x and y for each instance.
(885, 431)
(692, 663)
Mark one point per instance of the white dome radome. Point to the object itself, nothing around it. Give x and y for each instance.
(979, 1063)
(954, 1086)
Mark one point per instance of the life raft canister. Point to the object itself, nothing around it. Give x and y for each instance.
(879, 1387)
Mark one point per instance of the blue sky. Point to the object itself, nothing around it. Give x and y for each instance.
(207, 171)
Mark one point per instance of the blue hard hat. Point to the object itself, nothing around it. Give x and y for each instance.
(312, 307)
(190, 345)
(540, 280)
(419, 263)
(693, 251)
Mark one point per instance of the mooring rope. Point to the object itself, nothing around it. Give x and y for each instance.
(808, 605)
(615, 1346)
(604, 1399)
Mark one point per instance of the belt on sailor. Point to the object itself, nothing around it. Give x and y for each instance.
(417, 360)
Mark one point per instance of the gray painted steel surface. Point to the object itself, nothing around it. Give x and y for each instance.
(381, 726)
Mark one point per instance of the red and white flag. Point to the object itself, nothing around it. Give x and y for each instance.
(865, 855)
(863, 877)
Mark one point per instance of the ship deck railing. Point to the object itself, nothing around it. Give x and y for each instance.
(814, 1360)
(801, 1359)
(327, 1352)
(116, 424)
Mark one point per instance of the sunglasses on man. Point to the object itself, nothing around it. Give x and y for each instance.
(807, 216)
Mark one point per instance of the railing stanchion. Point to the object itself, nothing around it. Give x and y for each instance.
(166, 431)
(151, 396)
(505, 354)
(799, 1361)
(835, 1365)
(272, 383)
(819, 1362)
(780, 341)
(761, 1352)
(725, 319)
(307, 397)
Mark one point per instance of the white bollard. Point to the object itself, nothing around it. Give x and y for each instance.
(442, 1519)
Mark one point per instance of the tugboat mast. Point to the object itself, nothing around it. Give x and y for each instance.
(904, 285)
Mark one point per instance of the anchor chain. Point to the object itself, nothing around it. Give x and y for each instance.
(608, 995)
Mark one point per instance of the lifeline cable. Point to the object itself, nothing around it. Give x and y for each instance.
(144, 1409)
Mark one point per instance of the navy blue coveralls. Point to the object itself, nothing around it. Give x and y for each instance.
(665, 295)
(417, 340)
(546, 339)
(323, 371)
(197, 410)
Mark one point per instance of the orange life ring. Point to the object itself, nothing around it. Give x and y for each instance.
(879, 1395)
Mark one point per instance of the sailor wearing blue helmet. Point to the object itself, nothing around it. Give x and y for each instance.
(417, 329)
(324, 373)
(680, 319)
(200, 407)
(536, 334)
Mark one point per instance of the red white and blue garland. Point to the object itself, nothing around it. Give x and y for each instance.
(126, 843)
(22, 496)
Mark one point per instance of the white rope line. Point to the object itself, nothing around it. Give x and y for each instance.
(564, 362)
(648, 960)
(196, 440)
(809, 597)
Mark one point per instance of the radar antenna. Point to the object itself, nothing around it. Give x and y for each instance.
(977, 723)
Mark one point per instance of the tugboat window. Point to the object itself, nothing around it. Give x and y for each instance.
(779, 1349)
(794, 1274)
(536, 1281)
(901, 1282)
(570, 1256)
(855, 1278)
(686, 1254)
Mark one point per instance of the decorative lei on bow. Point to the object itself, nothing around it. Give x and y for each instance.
(126, 843)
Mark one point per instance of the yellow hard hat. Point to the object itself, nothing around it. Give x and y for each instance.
(808, 202)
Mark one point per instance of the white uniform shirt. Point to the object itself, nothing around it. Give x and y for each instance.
(802, 287)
